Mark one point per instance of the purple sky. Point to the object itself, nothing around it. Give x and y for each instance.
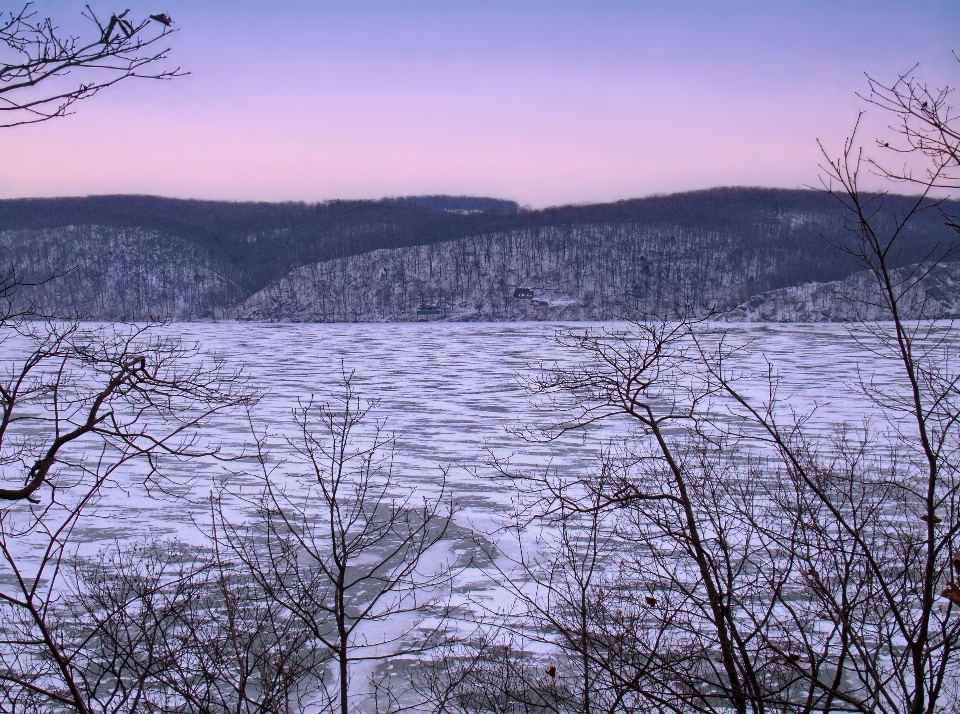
(543, 102)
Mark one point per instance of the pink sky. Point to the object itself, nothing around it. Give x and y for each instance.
(539, 102)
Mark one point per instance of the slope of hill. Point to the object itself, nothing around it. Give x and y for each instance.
(119, 273)
(135, 257)
(856, 298)
(585, 272)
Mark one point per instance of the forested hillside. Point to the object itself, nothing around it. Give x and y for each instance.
(856, 298)
(574, 272)
(136, 257)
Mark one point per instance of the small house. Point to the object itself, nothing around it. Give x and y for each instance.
(429, 310)
(523, 293)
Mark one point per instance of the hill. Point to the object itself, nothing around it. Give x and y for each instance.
(135, 257)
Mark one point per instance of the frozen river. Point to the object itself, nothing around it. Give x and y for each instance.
(449, 391)
(454, 395)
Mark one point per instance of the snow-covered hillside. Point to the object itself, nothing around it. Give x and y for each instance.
(590, 272)
(856, 298)
(117, 273)
(453, 258)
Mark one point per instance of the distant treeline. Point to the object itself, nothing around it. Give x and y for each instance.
(252, 245)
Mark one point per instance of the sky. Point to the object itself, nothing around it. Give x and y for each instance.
(544, 102)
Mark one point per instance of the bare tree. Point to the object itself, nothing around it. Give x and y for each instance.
(664, 607)
(925, 135)
(747, 564)
(572, 604)
(892, 511)
(117, 619)
(486, 675)
(44, 71)
(339, 549)
(165, 627)
(82, 409)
